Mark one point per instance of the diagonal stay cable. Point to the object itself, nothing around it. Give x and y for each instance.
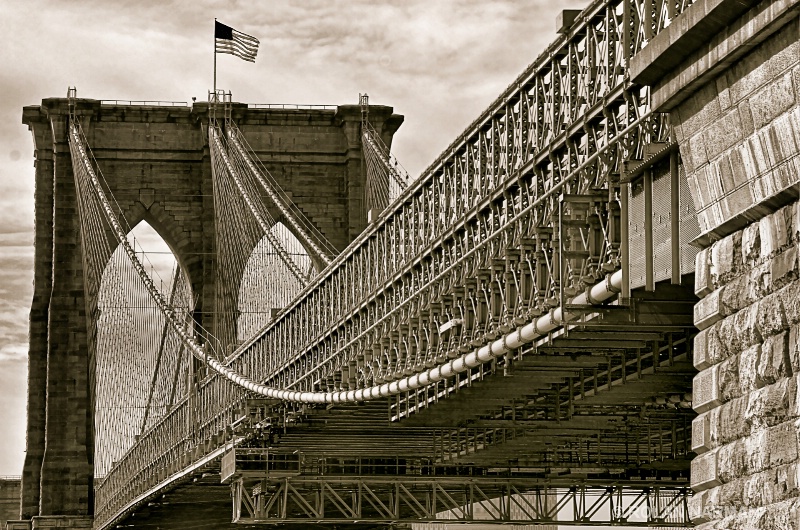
(288, 261)
(235, 136)
(273, 184)
(370, 135)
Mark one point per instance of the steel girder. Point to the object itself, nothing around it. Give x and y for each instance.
(404, 499)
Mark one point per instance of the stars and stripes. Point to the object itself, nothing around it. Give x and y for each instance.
(228, 40)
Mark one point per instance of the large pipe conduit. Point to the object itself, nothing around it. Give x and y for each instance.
(595, 295)
(592, 296)
(538, 328)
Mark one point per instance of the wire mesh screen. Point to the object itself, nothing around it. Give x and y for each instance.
(689, 227)
(636, 233)
(266, 284)
(662, 223)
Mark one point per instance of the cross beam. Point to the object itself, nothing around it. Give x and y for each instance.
(488, 500)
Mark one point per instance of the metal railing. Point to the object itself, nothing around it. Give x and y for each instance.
(143, 103)
(290, 106)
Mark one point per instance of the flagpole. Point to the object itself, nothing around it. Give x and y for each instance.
(215, 58)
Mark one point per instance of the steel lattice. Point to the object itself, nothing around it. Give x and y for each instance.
(515, 217)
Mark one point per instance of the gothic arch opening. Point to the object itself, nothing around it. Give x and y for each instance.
(140, 364)
(267, 284)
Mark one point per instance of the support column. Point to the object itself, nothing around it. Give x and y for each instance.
(674, 217)
(67, 465)
(206, 314)
(649, 281)
(42, 286)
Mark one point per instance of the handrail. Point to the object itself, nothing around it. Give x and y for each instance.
(523, 335)
(144, 103)
(290, 106)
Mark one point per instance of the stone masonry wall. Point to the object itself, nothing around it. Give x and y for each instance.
(747, 474)
(37, 333)
(9, 500)
(739, 138)
(739, 134)
(156, 162)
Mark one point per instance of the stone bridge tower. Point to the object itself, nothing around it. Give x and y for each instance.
(156, 162)
(729, 77)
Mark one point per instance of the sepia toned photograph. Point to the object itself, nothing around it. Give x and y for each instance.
(349, 265)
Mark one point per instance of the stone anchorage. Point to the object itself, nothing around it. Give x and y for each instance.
(734, 102)
(156, 162)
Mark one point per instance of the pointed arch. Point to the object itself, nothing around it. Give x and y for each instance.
(140, 364)
(266, 285)
(171, 233)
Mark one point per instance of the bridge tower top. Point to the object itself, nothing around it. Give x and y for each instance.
(155, 158)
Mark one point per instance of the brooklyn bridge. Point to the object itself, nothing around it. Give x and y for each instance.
(584, 312)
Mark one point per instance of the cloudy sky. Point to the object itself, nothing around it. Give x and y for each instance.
(439, 63)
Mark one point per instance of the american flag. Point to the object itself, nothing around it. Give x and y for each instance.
(228, 40)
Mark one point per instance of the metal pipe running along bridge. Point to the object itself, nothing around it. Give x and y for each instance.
(510, 338)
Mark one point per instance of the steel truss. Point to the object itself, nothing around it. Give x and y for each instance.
(521, 211)
(404, 499)
(664, 433)
(386, 178)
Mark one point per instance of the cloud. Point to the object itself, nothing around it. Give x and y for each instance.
(16, 281)
(440, 63)
(12, 334)
(16, 239)
(13, 353)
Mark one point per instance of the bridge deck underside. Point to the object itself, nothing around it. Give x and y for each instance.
(608, 399)
(610, 393)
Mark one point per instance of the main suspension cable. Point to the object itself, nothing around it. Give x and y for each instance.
(523, 335)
